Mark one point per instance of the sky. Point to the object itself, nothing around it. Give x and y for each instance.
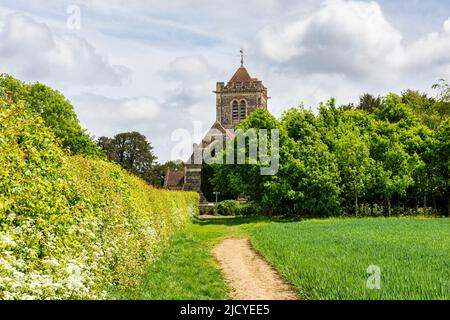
(151, 66)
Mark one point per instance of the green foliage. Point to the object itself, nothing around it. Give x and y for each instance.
(369, 103)
(250, 209)
(207, 188)
(236, 179)
(353, 157)
(440, 160)
(442, 105)
(228, 208)
(55, 110)
(308, 170)
(132, 151)
(307, 178)
(71, 227)
(328, 259)
(44, 229)
(388, 154)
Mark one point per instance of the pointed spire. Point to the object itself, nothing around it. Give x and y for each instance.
(241, 75)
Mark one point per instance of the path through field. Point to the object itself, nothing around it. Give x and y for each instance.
(250, 277)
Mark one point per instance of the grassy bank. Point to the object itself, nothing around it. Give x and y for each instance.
(328, 259)
(187, 268)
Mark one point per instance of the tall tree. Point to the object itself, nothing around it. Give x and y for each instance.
(353, 157)
(442, 105)
(441, 159)
(369, 103)
(56, 111)
(131, 150)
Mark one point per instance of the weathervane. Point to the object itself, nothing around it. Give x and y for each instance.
(242, 57)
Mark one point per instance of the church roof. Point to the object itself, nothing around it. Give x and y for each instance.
(210, 136)
(241, 75)
(174, 180)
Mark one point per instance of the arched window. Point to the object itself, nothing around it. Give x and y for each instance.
(243, 110)
(235, 110)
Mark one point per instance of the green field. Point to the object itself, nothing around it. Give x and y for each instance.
(323, 259)
(328, 259)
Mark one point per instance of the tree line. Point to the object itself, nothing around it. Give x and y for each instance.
(383, 156)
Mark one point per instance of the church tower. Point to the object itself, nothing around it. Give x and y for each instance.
(235, 100)
(240, 96)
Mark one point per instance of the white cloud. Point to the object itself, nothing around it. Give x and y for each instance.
(305, 51)
(431, 51)
(352, 38)
(188, 69)
(193, 79)
(29, 50)
(107, 116)
(140, 109)
(189, 100)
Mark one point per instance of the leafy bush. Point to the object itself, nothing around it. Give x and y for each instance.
(228, 207)
(235, 208)
(71, 227)
(250, 209)
(56, 111)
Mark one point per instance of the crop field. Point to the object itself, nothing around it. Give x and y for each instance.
(329, 259)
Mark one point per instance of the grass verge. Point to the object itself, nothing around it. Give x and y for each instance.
(187, 268)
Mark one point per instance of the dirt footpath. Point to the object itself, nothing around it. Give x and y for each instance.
(249, 275)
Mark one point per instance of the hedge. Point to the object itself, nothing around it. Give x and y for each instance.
(236, 208)
(72, 227)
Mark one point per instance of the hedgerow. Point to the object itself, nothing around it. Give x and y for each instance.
(236, 208)
(71, 227)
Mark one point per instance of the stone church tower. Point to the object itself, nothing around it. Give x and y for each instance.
(235, 100)
(238, 98)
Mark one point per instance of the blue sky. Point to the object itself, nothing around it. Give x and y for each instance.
(152, 65)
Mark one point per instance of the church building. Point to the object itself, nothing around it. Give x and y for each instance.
(235, 100)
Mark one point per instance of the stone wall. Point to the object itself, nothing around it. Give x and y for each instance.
(193, 179)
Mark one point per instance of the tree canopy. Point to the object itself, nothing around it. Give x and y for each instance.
(385, 155)
(131, 150)
(56, 111)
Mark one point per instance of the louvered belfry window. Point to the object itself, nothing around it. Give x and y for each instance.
(243, 110)
(235, 110)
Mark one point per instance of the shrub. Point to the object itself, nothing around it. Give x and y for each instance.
(236, 208)
(228, 208)
(70, 227)
(250, 209)
(55, 110)
(135, 219)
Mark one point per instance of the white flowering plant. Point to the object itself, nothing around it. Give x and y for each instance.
(71, 227)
